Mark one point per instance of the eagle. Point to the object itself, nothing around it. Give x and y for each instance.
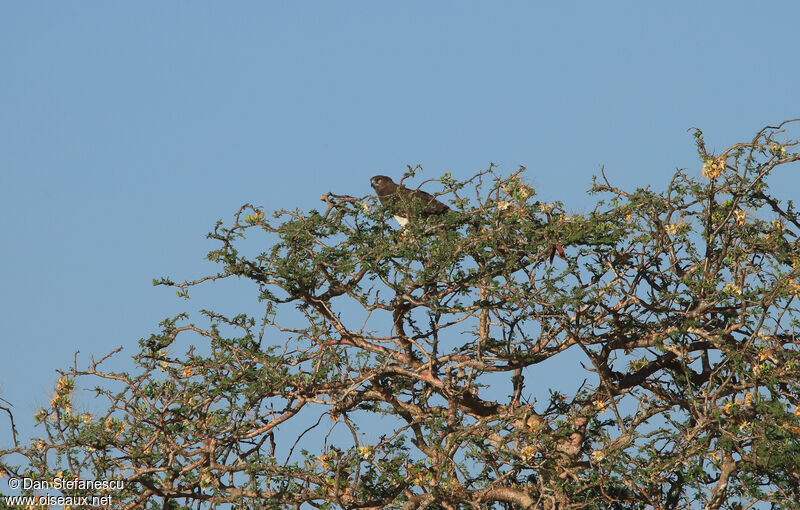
(403, 202)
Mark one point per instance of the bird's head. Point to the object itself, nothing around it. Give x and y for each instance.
(380, 181)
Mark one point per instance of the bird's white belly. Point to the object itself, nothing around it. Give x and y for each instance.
(402, 221)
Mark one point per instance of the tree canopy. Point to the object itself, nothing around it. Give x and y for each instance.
(402, 368)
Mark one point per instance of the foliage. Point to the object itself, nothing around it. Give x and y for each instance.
(418, 344)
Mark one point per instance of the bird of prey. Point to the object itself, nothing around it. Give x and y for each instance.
(404, 203)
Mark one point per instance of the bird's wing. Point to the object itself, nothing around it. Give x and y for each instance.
(429, 204)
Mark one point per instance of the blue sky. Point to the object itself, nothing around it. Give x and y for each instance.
(128, 129)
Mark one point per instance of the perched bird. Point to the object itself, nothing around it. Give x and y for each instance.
(404, 203)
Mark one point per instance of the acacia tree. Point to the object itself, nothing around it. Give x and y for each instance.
(680, 305)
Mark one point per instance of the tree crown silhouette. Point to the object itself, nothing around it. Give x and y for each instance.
(402, 368)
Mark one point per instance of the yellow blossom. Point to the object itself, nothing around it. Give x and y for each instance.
(739, 215)
(206, 480)
(600, 404)
(535, 423)
(732, 288)
(778, 150)
(503, 205)
(64, 385)
(187, 371)
(628, 217)
(675, 228)
(768, 354)
(87, 418)
(713, 167)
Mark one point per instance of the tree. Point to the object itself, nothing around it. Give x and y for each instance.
(389, 367)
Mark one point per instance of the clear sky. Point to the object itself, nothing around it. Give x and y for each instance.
(128, 128)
